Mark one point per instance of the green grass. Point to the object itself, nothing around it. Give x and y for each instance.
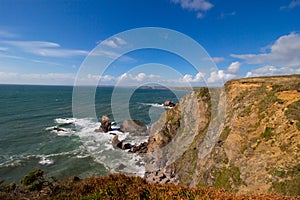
(267, 134)
(226, 131)
(293, 113)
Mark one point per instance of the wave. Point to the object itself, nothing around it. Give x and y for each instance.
(18, 160)
(157, 105)
(64, 120)
(98, 145)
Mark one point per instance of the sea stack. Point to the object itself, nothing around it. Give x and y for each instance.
(105, 124)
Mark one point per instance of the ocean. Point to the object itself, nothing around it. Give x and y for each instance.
(38, 130)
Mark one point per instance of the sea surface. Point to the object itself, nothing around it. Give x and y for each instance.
(38, 130)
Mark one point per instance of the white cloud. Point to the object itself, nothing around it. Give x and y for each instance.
(6, 34)
(110, 43)
(234, 67)
(114, 43)
(200, 15)
(223, 15)
(42, 48)
(283, 57)
(198, 6)
(33, 78)
(272, 70)
(194, 5)
(284, 52)
(292, 4)
(120, 41)
(3, 48)
(141, 77)
(187, 78)
(220, 76)
(218, 59)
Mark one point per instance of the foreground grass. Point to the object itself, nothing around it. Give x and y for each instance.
(116, 186)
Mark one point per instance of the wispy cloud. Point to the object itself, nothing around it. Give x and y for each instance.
(218, 59)
(114, 42)
(43, 48)
(224, 15)
(34, 78)
(198, 6)
(291, 5)
(5, 34)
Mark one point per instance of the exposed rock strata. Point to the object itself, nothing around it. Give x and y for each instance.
(254, 148)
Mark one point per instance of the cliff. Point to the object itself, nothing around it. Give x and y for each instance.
(244, 137)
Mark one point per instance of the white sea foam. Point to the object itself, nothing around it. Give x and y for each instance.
(18, 160)
(46, 161)
(60, 131)
(98, 145)
(157, 105)
(64, 120)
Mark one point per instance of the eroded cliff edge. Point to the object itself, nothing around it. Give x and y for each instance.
(244, 137)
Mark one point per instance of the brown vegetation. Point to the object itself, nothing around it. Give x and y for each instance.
(117, 187)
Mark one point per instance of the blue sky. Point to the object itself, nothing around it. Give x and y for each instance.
(46, 42)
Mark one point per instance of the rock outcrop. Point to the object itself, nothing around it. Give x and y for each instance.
(253, 147)
(169, 103)
(105, 124)
(134, 127)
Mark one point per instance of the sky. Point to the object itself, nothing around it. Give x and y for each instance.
(47, 42)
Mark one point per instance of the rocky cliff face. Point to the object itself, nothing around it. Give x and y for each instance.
(244, 137)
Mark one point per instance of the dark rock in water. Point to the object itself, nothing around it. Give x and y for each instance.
(58, 129)
(169, 103)
(121, 166)
(116, 142)
(134, 127)
(142, 148)
(105, 124)
(126, 146)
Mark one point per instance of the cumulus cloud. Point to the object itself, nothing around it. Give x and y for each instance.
(283, 57)
(220, 76)
(234, 67)
(198, 6)
(272, 70)
(188, 78)
(284, 52)
(141, 77)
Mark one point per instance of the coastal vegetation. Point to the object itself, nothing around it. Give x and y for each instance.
(119, 186)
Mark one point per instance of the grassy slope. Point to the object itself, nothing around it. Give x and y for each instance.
(118, 187)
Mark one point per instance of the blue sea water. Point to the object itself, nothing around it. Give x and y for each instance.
(29, 140)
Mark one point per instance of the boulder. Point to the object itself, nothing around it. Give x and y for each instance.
(134, 127)
(141, 148)
(105, 124)
(116, 142)
(169, 103)
(119, 144)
